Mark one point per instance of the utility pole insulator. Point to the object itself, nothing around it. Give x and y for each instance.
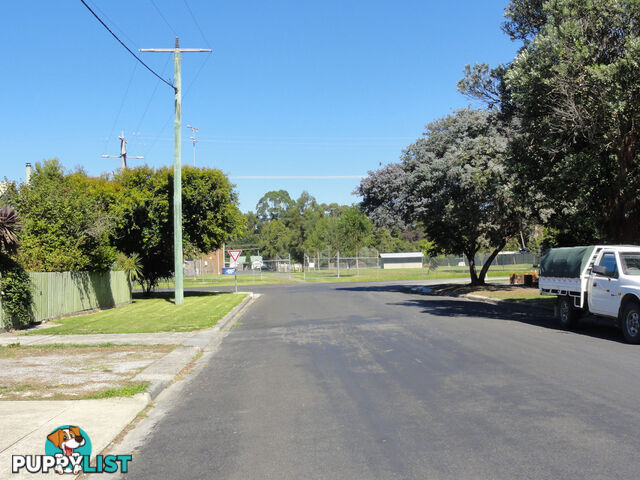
(123, 152)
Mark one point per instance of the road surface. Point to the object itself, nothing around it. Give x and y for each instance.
(356, 381)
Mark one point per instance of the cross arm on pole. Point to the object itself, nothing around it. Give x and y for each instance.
(171, 50)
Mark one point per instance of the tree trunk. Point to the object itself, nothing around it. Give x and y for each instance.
(621, 226)
(489, 261)
(471, 258)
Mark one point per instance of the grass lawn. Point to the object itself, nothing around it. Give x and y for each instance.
(155, 314)
(374, 274)
(244, 278)
(346, 275)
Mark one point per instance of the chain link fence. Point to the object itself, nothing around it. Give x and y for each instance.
(367, 263)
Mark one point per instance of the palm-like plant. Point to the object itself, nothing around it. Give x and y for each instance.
(9, 226)
(132, 266)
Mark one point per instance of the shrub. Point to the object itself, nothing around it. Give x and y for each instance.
(15, 292)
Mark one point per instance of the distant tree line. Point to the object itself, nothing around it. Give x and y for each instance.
(282, 226)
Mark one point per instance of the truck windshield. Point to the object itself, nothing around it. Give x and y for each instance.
(630, 263)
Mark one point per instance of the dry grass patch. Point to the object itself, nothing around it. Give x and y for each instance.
(70, 372)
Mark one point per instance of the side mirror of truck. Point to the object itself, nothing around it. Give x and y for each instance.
(600, 270)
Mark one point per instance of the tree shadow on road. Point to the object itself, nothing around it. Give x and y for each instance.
(442, 306)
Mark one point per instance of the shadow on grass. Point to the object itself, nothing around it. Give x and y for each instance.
(169, 296)
(451, 306)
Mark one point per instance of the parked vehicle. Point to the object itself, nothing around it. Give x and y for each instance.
(602, 280)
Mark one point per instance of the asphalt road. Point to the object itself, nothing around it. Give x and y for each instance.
(356, 381)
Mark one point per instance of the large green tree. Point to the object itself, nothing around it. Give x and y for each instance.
(573, 91)
(354, 231)
(275, 239)
(273, 205)
(454, 183)
(144, 215)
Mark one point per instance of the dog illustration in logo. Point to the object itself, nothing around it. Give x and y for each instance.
(67, 440)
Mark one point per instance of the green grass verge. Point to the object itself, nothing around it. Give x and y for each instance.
(506, 293)
(155, 314)
(124, 391)
(346, 275)
(248, 278)
(374, 274)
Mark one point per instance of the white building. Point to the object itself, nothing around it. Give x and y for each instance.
(401, 260)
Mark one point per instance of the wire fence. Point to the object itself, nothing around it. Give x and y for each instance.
(330, 264)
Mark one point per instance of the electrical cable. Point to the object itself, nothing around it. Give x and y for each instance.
(163, 18)
(155, 140)
(124, 98)
(197, 25)
(113, 24)
(123, 44)
(186, 92)
(159, 136)
(155, 89)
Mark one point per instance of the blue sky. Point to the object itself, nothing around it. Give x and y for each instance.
(292, 88)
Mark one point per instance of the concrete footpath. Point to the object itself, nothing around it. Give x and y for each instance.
(26, 424)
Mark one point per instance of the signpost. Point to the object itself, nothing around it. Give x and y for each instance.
(235, 254)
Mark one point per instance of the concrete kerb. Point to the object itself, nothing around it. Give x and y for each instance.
(161, 373)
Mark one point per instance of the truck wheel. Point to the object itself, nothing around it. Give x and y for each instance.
(630, 323)
(567, 315)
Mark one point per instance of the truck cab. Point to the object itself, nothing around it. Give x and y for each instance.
(614, 277)
(607, 284)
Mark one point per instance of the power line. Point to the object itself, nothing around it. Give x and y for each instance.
(124, 98)
(114, 25)
(295, 177)
(162, 16)
(155, 89)
(155, 140)
(166, 123)
(196, 22)
(123, 44)
(186, 92)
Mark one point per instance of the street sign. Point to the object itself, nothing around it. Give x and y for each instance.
(234, 254)
(228, 271)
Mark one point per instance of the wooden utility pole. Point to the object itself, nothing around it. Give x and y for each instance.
(177, 163)
(123, 152)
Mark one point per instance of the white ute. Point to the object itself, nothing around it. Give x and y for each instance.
(603, 280)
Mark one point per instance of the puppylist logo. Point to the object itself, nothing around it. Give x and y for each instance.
(67, 449)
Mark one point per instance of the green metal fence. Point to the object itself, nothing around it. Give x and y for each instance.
(56, 294)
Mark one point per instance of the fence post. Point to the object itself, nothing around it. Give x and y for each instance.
(357, 267)
(338, 257)
(289, 267)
